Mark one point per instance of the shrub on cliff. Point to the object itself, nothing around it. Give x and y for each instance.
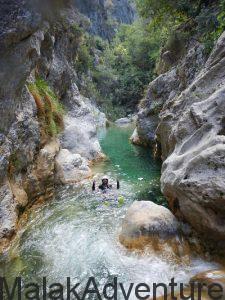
(207, 17)
(50, 110)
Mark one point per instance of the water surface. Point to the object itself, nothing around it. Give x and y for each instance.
(133, 165)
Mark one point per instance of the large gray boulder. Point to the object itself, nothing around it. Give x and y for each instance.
(80, 136)
(71, 168)
(79, 142)
(192, 137)
(147, 225)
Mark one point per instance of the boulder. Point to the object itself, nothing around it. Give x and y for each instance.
(80, 137)
(135, 139)
(209, 278)
(101, 119)
(147, 224)
(71, 168)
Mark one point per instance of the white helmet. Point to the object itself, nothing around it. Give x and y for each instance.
(105, 177)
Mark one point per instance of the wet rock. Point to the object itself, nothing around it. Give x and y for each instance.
(71, 168)
(101, 119)
(19, 193)
(147, 224)
(211, 277)
(135, 139)
(183, 112)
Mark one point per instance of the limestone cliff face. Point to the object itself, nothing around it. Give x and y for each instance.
(190, 131)
(106, 15)
(38, 40)
(165, 88)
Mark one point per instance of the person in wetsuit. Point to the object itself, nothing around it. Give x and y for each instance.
(105, 185)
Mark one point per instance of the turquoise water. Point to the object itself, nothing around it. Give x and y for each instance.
(133, 165)
(76, 234)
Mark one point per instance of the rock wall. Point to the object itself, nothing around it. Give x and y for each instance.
(165, 88)
(38, 40)
(191, 133)
(184, 114)
(106, 15)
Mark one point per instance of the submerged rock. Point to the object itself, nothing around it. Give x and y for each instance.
(151, 225)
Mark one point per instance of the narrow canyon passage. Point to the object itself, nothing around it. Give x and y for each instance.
(76, 234)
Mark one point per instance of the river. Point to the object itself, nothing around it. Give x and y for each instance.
(76, 234)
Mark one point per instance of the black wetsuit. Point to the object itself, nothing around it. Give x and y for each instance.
(104, 187)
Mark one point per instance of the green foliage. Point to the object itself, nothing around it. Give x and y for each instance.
(77, 31)
(15, 163)
(50, 110)
(163, 9)
(208, 17)
(84, 60)
(116, 74)
(213, 26)
(129, 63)
(221, 18)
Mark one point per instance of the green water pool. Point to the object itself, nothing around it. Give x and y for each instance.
(133, 165)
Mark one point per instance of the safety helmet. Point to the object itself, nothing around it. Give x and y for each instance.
(105, 177)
